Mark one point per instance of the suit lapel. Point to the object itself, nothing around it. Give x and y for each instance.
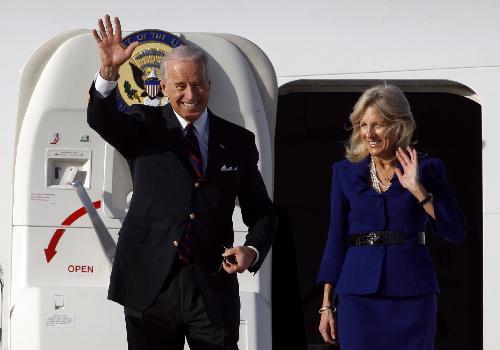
(175, 138)
(396, 187)
(361, 179)
(215, 145)
(171, 120)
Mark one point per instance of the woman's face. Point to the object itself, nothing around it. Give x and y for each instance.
(373, 131)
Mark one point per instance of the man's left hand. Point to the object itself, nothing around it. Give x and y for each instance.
(238, 259)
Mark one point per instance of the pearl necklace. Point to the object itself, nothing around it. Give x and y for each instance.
(376, 183)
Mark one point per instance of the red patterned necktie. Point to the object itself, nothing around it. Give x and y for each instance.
(185, 246)
(192, 150)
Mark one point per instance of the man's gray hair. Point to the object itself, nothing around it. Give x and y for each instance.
(184, 53)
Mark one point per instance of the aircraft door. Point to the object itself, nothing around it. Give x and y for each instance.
(312, 129)
(59, 272)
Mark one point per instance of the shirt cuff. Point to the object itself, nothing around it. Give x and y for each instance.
(257, 252)
(103, 86)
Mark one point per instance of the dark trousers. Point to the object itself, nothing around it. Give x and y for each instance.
(178, 313)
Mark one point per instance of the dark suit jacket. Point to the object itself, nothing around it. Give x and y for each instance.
(165, 195)
(393, 270)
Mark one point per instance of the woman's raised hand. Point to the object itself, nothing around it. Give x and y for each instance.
(409, 161)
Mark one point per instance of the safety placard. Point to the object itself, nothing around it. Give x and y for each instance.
(59, 321)
(49, 198)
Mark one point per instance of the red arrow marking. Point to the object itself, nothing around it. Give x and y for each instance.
(50, 251)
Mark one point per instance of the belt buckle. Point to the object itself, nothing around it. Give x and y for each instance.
(372, 238)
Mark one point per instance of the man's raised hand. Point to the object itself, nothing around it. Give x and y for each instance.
(111, 50)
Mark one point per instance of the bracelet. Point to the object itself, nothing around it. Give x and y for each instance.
(426, 199)
(327, 307)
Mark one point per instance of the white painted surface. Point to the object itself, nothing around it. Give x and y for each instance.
(340, 39)
(77, 267)
(491, 286)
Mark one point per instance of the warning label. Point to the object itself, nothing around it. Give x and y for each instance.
(59, 321)
(49, 198)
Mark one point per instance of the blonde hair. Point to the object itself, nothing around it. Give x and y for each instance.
(394, 108)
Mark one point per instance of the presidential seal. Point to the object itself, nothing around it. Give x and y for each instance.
(139, 80)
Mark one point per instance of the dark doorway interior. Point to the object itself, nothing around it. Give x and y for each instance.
(310, 135)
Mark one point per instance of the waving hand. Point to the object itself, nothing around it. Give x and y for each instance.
(409, 162)
(111, 50)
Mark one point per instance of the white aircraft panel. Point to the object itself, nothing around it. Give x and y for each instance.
(56, 254)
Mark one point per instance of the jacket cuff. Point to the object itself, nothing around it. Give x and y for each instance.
(257, 252)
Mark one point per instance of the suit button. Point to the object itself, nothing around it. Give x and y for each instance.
(196, 184)
(175, 243)
(192, 216)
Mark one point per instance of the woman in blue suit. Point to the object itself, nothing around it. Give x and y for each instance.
(375, 260)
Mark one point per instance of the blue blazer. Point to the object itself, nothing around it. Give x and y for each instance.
(392, 270)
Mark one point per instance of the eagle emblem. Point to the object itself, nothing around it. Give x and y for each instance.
(139, 80)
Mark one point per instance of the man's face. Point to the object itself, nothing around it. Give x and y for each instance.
(187, 87)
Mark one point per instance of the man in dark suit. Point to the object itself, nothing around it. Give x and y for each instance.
(174, 269)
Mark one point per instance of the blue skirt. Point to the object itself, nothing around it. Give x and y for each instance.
(379, 322)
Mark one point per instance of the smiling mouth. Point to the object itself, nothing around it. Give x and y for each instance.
(191, 105)
(374, 143)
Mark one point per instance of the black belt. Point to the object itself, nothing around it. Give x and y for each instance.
(383, 238)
